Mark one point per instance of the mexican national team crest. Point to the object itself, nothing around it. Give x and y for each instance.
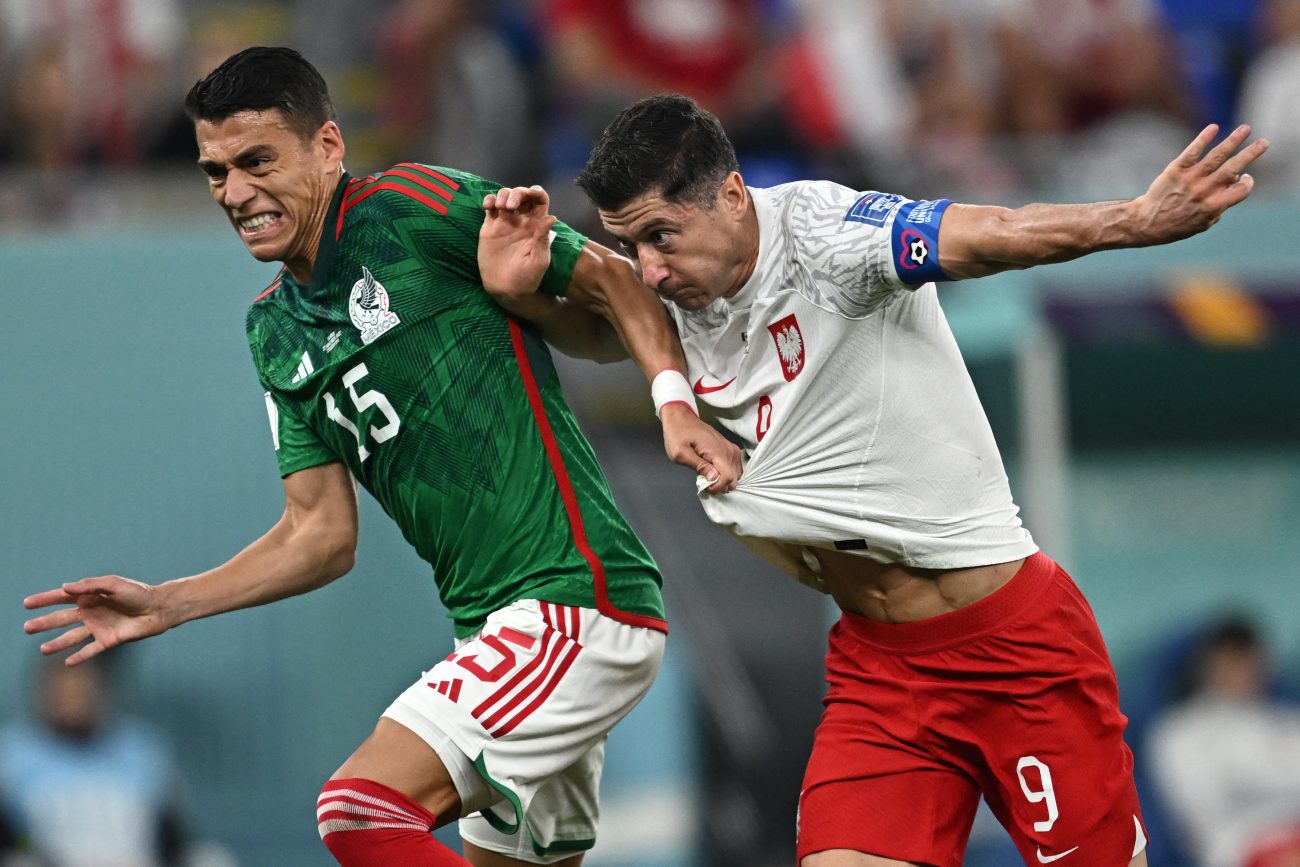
(789, 345)
(368, 307)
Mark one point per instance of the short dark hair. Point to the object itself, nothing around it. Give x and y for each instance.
(260, 78)
(1233, 632)
(666, 144)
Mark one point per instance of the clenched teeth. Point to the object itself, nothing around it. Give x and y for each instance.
(256, 222)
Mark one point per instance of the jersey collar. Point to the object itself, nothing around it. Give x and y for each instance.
(328, 246)
(744, 299)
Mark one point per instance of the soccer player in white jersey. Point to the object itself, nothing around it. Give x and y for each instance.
(966, 662)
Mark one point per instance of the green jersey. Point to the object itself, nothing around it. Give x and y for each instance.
(395, 361)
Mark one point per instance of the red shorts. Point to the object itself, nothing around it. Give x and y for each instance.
(1013, 697)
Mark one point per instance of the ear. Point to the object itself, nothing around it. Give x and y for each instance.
(330, 139)
(733, 197)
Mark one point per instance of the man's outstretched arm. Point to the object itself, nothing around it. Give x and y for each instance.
(313, 543)
(606, 314)
(1188, 197)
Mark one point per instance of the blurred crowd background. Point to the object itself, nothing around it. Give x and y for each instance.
(1146, 401)
(978, 99)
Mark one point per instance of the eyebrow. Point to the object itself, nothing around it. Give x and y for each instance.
(649, 228)
(242, 158)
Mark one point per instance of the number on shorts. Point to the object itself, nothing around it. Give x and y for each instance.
(497, 642)
(1046, 793)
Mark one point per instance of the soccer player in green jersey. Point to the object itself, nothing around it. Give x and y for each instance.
(386, 364)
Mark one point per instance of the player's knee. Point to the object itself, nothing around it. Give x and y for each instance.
(357, 817)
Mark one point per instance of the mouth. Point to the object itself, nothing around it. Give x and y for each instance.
(683, 296)
(672, 293)
(258, 225)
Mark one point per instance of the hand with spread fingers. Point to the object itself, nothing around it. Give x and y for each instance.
(110, 610)
(1194, 190)
(514, 242)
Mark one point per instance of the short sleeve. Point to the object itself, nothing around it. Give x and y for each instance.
(296, 446)
(860, 248)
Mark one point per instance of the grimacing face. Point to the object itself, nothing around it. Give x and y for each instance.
(274, 185)
(687, 254)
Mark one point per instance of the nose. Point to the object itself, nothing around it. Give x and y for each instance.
(238, 190)
(654, 268)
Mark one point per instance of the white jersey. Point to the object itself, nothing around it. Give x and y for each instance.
(860, 425)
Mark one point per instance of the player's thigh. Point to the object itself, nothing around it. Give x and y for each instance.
(849, 858)
(481, 857)
(396, 757)
(1060, 774)
(876, 783)
(521, 708)
(563, 816)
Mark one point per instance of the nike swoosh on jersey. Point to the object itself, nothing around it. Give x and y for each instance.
(1048, 859)
(701, 388)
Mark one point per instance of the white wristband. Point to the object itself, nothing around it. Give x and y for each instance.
(669, 386)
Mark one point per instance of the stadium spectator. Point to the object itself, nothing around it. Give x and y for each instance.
(966, 662)
(931, 118)
(385, 364)
(601, 54)
(1215, 43)
(88, 76)
(1093, 90)
(85, 785)
(1271, 93)
(1227, 760)
(1072, 64)
(451, 84)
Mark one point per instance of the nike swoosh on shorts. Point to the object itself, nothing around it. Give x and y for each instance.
(1048, 859)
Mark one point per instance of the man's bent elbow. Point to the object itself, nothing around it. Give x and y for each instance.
(339, 563)
(335, 553)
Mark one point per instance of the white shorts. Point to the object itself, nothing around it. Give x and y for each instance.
(519, 714)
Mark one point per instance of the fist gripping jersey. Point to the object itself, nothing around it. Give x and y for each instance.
(836, 369)
(395, 361)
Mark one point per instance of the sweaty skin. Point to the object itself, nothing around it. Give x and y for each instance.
(892, 593)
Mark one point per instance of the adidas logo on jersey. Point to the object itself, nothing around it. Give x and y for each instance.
(305, 368)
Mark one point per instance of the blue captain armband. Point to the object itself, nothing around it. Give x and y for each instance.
(915, 240)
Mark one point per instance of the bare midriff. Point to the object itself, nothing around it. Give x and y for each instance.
(892, 593)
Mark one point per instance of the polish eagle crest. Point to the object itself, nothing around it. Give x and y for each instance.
(790, 348)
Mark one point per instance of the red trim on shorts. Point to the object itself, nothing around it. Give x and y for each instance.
(963, 625)
(548, 644)
(565, 619)
(570, 655)
(567, 494)
(547, 660)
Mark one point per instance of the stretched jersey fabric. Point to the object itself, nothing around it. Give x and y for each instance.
(861, 428)
(394, 361)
